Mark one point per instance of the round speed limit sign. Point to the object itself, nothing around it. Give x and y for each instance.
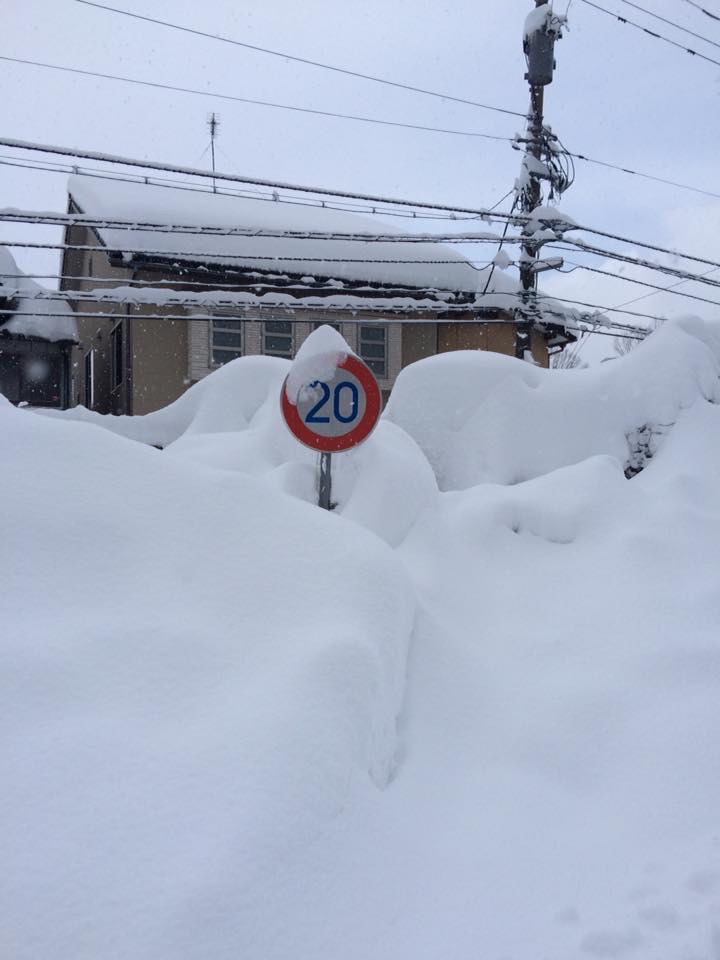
(337, 412)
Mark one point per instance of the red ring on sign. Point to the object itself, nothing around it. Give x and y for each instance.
(373, 401)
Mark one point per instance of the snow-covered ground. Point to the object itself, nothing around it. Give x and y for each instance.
(473, 713)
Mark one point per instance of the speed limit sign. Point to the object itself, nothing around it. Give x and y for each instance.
(337, 412)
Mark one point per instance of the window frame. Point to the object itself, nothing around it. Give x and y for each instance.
(117, 356)
(373, 362)
(284, 355)
(234, 353)
(89, 381)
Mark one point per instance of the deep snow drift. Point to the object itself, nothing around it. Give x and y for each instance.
(237, 726)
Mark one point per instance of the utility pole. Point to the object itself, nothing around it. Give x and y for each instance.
(542, 28)
(213, 123)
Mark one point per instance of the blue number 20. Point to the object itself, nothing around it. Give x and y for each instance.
(313, 415)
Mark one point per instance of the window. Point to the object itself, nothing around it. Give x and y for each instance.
(227, 339)
(372, 347)
(90, 379)
(278, 338)
(326, 323)
(118, 366)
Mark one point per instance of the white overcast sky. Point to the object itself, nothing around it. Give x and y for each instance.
(618, 95)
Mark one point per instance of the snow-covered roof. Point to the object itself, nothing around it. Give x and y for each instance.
(107, 199)
(37, 317)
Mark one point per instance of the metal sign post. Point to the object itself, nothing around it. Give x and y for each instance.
(325, 482)
(333, 414)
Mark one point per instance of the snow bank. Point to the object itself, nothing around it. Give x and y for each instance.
(198, 674)
(564, 706)
(482, 417)
(231, 420)
(215, 743)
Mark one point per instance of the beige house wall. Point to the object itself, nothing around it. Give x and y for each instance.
(159, 360)
(200, 346)
(163, 357)
(497, 337)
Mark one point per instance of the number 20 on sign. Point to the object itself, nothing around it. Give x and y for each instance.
(336, 413)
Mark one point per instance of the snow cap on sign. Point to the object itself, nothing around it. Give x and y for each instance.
(317, 359)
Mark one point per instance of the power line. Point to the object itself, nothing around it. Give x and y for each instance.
(321, 191)
(644, 283)
(580, 244)
(148, 226)
(247, 300)
(237, 178)
(598, 308)
(638, 261)
(672, 286)
(342, 116)
(645, 176)
(224, 258)
(353, 308)
(671, 23)
(304, 60)
(559, 223)
(258, 103)
(96, 173)
(713, 16)
(651, 33)
(221, 259)
(178, 285)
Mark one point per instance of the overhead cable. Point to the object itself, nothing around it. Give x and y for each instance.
(708, 13)
(180, 284)
(639, 261)
(148, 226)
(645, 176)
(670, 23)
(671, 288)
(391, 123)
(237, 178)
(644, 283)
(436, 308)
(258, 103)
(304, 60)
(650, 33)
(479, 213)
(96, 173)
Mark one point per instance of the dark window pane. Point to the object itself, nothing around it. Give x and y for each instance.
(227, 340)
(372, 333)
(278, 326)
(228, 324)
(283, 344)
(375, 350)
(225, 355)
(324, 323)
(10, 376)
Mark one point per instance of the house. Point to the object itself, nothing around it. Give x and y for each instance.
(170, 281)
(37, 339)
